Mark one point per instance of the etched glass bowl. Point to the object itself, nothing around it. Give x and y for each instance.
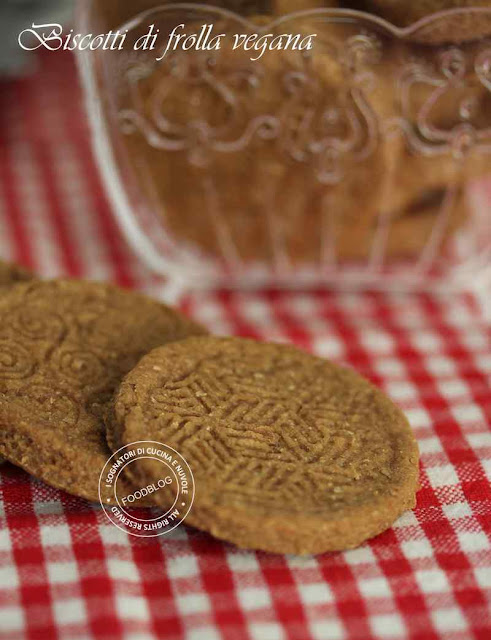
(360, 161)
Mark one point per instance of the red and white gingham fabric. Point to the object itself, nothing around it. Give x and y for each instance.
(67, 573)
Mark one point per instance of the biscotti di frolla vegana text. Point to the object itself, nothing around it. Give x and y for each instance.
(51, 36)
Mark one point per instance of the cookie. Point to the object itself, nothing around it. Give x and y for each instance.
(272, 202)
(252, 204)
(408, 231)
(11, 273)
(64, 347)
(290, 453)
(456, 28)
(113, 14)
(284, 7)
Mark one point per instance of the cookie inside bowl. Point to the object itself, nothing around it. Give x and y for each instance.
(297, 161)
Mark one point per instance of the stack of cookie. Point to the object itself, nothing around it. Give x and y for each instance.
(290, 453)
(295, 159)
(65, 346)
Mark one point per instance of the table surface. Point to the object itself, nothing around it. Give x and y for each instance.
(66, 572)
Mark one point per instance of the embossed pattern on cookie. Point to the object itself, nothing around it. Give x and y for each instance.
(11, 274)
(290, 453)
(64, 347)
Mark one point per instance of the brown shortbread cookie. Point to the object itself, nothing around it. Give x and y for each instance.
(460, 27)
(64, 347)
(290, 453)
(11, 273)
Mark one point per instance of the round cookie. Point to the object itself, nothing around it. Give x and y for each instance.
(11, 273)
(460, 27)
(64, 347)
(290, 453)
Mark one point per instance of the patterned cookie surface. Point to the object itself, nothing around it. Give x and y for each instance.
(290, 453)
(11, 274)
(64, 347)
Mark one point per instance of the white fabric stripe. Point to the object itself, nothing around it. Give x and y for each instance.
(46, 252)
(72, 185)
(30, 190)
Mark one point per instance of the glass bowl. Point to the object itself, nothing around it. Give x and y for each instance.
(360, 161)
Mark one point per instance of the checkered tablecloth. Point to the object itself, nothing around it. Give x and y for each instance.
(67, 573)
